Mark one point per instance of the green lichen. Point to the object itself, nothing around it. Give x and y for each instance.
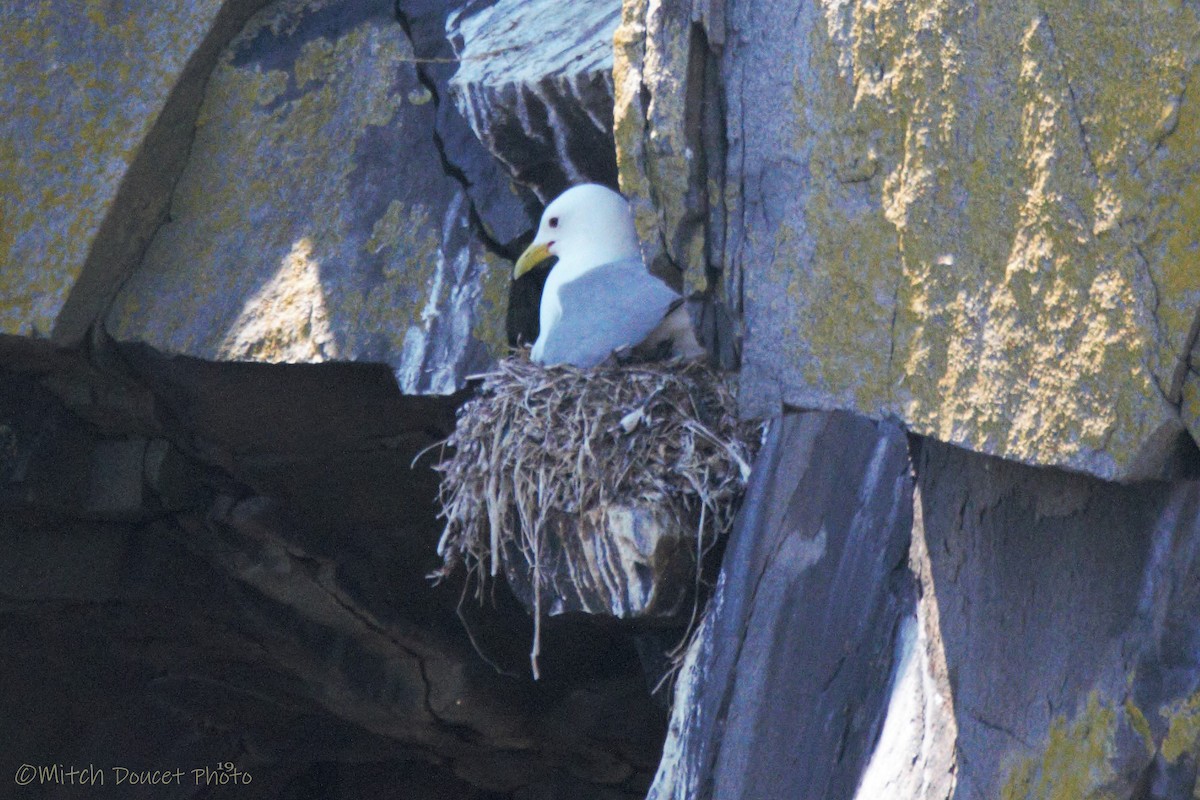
(490, 328)
(629, 117)
(980, 264)
(1074, 764)
(264, 174)
(63, 147)
(407, 241)
(275, 164)
(1183, 729)
(655, 153)
(1140, 725)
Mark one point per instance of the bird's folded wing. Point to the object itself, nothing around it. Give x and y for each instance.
(609, 307)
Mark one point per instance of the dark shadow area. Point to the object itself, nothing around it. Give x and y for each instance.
(262, 599)
(524, 303)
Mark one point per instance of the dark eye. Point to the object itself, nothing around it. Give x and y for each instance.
(554, 222)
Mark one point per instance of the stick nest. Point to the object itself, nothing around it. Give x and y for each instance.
(538, 442)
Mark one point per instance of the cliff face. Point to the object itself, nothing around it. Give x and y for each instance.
(87, 178)
(252, 251)
(951, 624)
(974, 224)
(1005, 200)
(312, 221)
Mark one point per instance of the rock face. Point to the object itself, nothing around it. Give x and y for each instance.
(1069, 621)
(213, 541)
(84, 180)
(313, 221)
(670, 132)
(506, 211)
(975, 224)
(250, 253)
(248, 587)
(821, 541)
(958, 626)
(535, 83)
(978, 223)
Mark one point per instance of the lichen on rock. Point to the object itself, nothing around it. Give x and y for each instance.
(314, 220)
(970, 221)
(67, 143)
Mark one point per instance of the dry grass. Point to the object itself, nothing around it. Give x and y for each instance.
(540, 442)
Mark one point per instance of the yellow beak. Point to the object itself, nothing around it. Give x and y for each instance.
(535, 254)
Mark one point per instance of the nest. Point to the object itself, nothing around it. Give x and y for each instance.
(538, 443)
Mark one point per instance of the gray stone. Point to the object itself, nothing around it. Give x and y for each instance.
(95, 110)
(296, 636)
(33, 567)
(978, 223)
(507, 211)
(1069, 619)
(175, 479)
(1049, 647)
(670, 138)
(535, 84)
(785, 691)
(63, 469)
(115, 488)
(314, 221)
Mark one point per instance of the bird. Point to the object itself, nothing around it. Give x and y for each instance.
(599, 298)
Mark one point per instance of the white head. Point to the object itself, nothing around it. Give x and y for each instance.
(588, 222)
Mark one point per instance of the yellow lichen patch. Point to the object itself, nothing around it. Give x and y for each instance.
(1169, 239)
(287, 319)
(493, 304)
(1074, 765)
(629, 117)
(407, 294)
(1103, 44)
(1063, 318)
(655, 159)
(1190, 400)
(397, 222)
(965, 248)
(1140, 725)
(1183, 731)
(309, 223)
(1144, 143)
(64, 146)
(1051, 329)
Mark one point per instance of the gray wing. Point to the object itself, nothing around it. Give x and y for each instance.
(609, 307)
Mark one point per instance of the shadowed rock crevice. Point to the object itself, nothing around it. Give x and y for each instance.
(466, 160)
(434, 62)
(671, 150)
(298, 611)
(503, 222)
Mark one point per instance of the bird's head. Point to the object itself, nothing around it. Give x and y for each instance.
(586, 221)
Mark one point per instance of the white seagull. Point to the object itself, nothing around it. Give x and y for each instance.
(599, 297)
